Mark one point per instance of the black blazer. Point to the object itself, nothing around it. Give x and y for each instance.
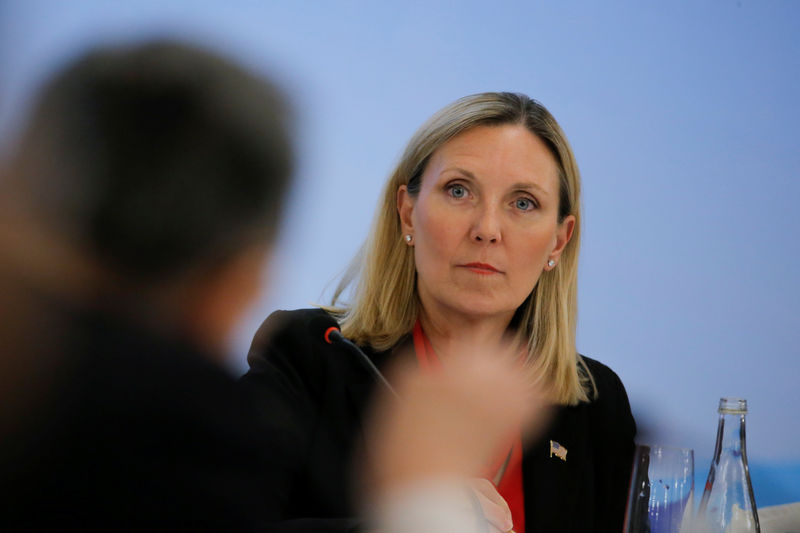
(312, 397)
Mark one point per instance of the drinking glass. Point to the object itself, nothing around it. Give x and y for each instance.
(661, 493)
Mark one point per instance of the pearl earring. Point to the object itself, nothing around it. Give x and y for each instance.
(408, 239)
(551, 263)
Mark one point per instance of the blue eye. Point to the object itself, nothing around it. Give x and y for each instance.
(457, 191)
(524, 204)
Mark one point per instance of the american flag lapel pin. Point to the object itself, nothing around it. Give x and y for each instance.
(558, 450)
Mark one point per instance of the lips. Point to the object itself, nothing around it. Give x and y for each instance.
(482, 268)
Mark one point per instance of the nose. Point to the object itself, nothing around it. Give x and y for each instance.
(486, 228)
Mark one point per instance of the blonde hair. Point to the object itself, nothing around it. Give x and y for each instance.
(385, 305)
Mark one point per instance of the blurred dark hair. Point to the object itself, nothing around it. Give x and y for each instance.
(156, 159)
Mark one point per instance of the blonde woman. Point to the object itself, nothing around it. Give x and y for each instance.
(476, 241)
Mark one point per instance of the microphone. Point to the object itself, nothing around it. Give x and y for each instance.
(333, 335)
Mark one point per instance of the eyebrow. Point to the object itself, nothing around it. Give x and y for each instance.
(528, 186)
(523, 185)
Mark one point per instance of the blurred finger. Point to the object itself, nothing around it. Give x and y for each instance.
(487, 489)
(497, 516)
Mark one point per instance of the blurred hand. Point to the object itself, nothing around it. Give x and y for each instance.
(494, 507)
(447, 426)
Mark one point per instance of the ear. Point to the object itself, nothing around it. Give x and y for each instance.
(563, 235)
(405, 208)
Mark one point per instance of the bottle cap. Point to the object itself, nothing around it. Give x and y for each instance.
(733, 406)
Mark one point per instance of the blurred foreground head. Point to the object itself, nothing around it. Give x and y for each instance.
(136, 214)
(148, 172)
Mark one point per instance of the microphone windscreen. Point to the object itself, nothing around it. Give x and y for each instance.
(319, 327)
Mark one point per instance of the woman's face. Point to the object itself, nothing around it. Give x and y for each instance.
(485, 221)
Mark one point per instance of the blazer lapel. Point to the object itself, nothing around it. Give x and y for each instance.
(557, 474)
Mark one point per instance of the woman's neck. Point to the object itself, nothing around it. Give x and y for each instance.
(452, 333)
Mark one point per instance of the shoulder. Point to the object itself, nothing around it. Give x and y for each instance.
(605, 380)
(289, 355)
(300, 331)
(610, 400)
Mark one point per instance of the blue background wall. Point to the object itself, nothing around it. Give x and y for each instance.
(683, 117)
